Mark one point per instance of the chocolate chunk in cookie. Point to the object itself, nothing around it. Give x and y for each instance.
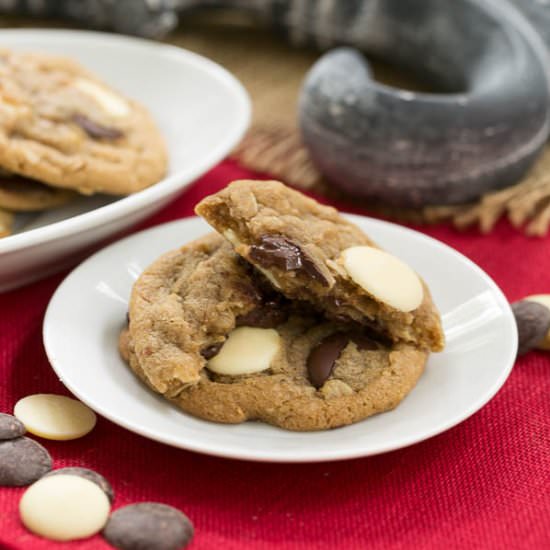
(308, 251)
(201, 337)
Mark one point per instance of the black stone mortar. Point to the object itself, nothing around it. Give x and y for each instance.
(411, 149)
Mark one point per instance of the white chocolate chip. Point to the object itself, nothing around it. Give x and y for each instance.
(543, 299)
(54, 416)
(109, 101)
(247, 350)
(384, 276)
(64, 507)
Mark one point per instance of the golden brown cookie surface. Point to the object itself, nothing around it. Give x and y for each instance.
(61, 125)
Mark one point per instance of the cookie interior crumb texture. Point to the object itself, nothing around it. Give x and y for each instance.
(59, 124)
(298, 244)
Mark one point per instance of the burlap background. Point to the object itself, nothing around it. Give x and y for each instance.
(272, 71)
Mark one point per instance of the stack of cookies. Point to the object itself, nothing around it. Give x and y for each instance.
(288, 314)
(63, 132)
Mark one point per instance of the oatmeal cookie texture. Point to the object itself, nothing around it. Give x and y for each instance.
(62, 126)
(309, 252)
(208, 332)
(18, 194)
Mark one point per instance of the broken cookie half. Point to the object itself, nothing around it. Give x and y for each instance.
(310, 252)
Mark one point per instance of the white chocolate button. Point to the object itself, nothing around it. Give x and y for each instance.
(246, 350)
(109, 101)
(54, 416)
(64, 507)
(384, 276)
(543, 299)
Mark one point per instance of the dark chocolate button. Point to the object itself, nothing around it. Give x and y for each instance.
(90, 475)
(96, 130)
(22, 461)
(322, 357)
(210, 351)
(148, 525)
(280, 252)
(268, 315)
(10, 427)
(533, 322)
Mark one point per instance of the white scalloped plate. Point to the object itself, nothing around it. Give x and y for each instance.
(88, 310)
(201, 109)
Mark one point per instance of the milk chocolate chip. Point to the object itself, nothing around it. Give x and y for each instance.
(533, 322)
(278, 251)
(10, 427)
(96, 130)
(148, 525)
(544, 300)
(22, 461)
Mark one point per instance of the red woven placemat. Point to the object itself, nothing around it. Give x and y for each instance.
(484, 484)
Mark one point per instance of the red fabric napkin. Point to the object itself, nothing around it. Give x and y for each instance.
(484, 484)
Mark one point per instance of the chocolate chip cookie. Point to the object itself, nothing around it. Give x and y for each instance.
(208, 331)
(18, 194)
(309, 252)
(60, 125)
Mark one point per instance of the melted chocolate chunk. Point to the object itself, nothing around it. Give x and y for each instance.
(96, 130)
(278, 251)
(322, 357)
(210, 351)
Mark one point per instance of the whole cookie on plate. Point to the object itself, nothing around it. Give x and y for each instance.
(61, 125)
(208, 332)
(19, 194)
(309, 251)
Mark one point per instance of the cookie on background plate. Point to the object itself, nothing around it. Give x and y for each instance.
(208, 332)
(61, 125)
(309, 251)
(18, 194)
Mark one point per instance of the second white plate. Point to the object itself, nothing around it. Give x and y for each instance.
(202, 112)
(88, 310)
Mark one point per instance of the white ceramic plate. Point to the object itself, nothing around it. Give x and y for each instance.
(200, 108)
(88, 310)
